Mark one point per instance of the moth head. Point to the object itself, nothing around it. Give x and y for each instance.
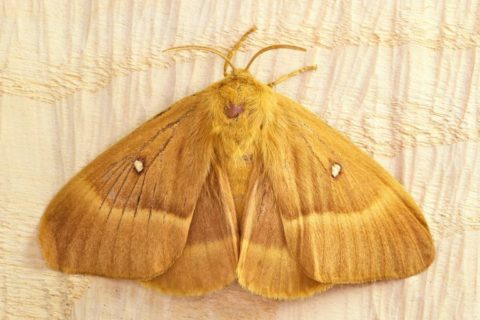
(239, 93)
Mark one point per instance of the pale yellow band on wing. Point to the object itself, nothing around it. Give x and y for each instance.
(387, 240)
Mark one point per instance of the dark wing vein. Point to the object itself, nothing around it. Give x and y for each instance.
(79, 228)
(121, 216)
(105, 223)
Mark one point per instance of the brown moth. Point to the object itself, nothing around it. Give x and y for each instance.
(236, 182)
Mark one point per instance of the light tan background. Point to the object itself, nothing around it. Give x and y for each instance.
(400, 78)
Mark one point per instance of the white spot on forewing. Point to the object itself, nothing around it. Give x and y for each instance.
(336, 169)
(138, 164)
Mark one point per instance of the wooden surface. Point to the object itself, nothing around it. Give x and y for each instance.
(401, 78)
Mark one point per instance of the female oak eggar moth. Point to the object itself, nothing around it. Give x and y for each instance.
(236, 182)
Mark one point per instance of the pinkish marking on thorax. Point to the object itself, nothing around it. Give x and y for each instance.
(234, 110)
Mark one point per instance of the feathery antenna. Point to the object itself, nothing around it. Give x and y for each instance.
(292, 74)
(204, 48)
(237, 45)
(228, 58)
(272, 47)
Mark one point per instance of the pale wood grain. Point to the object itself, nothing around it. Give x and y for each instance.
(401, 78)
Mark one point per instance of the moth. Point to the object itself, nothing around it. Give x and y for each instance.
(236, 182)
